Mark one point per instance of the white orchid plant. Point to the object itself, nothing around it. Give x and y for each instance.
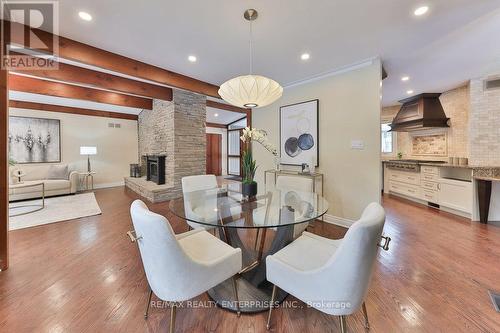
(248, 163)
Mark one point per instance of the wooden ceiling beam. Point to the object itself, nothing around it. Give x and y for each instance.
(86, 54)
(70, 109)
(79, 75)
(58, 89)
(216, 125)
(227, 107)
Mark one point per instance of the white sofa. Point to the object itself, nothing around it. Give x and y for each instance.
(39, 173)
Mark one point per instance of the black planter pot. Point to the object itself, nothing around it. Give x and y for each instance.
(249, 190)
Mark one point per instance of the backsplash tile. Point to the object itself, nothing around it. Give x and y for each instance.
(429, 145)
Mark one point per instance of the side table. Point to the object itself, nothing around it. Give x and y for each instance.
(86, 176)
(13, 187)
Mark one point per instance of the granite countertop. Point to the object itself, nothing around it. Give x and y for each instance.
(488, 173)
(432, 163)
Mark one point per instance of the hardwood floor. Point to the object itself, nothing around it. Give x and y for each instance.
(86, 276)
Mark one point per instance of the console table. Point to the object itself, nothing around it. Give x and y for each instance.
(316, 177)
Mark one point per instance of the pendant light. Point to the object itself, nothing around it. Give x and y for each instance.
(250, 91)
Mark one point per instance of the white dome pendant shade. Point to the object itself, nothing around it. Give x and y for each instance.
(250, 91)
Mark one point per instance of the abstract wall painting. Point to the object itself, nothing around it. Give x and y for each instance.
(299, 133)
(34, 140)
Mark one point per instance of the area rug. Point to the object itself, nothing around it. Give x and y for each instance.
(56, 209)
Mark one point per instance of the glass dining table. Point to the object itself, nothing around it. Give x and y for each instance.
(260, 226)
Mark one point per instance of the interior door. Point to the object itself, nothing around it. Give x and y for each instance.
(234, 152)
(214, 154)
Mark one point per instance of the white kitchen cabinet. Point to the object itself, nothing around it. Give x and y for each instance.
(456, 194)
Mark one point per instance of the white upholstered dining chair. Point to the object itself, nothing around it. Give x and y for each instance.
(195, 203)
(180, 267)
(330, 275)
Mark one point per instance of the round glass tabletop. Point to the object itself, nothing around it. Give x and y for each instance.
(225, 207)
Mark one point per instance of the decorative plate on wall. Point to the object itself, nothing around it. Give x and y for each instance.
(34, 140)
(299, 133)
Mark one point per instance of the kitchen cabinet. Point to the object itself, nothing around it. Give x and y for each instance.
(445, 188)
(456, 194)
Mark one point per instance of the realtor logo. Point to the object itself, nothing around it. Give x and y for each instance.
(30, 34)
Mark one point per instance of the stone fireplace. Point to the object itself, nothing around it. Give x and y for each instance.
(175, 129)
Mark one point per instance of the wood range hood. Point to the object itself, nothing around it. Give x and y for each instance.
(420, 112)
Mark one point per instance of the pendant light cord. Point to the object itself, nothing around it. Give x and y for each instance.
(251, 49)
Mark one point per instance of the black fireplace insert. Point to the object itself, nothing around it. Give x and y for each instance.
(155, 169)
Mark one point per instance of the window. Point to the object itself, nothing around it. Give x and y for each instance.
(387, 139)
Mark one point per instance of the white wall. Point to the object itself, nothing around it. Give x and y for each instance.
(116, 147)
(223, 132)
(349, 104)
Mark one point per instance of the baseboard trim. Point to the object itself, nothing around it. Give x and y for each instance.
(337, 220)
(107, 185)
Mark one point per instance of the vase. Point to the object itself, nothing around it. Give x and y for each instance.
(249, 190)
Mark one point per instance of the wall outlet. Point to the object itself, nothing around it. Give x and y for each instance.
(357, 144)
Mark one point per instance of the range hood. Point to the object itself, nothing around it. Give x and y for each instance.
(420, 112)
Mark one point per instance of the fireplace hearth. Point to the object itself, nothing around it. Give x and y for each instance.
(155, 169)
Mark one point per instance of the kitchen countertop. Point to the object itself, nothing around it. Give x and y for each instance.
(488, 173)
(432, 163)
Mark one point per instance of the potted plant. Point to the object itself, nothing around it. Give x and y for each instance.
(249, 165)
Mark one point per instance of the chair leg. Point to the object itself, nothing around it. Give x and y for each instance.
(367, 323)
(235, 290)
(146, 312)
(343, 325)
(273, 296)
(173, 309)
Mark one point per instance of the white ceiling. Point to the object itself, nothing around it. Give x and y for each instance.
(456, 40)
(223, 117)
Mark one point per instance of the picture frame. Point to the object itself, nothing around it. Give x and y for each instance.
(34, 140)
(299, 133)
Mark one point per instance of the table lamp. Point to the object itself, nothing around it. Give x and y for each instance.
(88, 151)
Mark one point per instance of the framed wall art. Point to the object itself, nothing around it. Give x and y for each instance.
(299, 133)
(34, 140)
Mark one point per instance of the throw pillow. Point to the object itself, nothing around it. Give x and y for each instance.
(58, 172)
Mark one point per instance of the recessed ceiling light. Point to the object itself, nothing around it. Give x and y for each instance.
(305, 56)
(405, 78)
(85, 16)
(409, 92)
(192, 58)
(421, 10)
(216, 115)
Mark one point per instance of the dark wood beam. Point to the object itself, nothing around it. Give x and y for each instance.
(233, 122)
(79, 75)
(51, 88)
(227, 107)
(86, 54)
(216, 125)
(4, 169)
(70, 109)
